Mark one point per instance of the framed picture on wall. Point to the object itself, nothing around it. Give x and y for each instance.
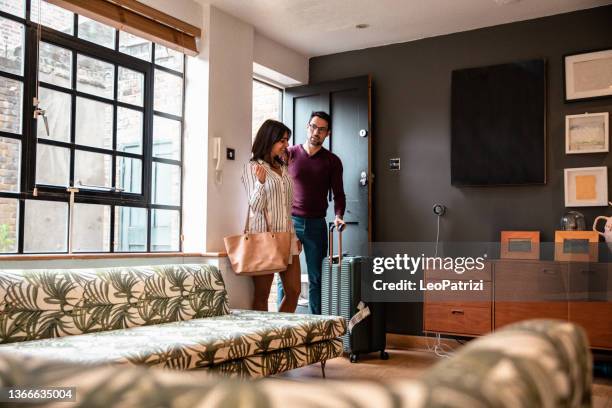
(587, 133)
(586, 187)
(588, 75)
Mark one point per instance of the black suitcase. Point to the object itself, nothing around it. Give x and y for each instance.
(341, 295)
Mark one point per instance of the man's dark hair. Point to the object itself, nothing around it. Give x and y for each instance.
(269, 133)
(323, 115)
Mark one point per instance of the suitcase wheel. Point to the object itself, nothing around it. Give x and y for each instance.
(354, 357)
(384, 355)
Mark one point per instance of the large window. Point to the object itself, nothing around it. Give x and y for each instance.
(102, 171)
(267, 104)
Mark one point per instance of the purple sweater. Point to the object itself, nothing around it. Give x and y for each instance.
(313, 176)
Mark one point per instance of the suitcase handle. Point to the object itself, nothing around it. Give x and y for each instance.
(331, 244)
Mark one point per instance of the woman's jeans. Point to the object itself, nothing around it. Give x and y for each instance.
(312, 232)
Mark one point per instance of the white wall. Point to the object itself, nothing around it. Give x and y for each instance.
(229, 117)
(195, 151)
(278, 63)
(187, 10)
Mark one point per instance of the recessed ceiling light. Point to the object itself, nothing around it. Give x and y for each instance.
(504, 2)
(362, 26)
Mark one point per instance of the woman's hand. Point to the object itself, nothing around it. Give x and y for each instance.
(284, 156)
(260, 173)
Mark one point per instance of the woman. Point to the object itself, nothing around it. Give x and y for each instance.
(270, 191)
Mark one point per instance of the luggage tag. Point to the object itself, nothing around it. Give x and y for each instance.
(363, 312)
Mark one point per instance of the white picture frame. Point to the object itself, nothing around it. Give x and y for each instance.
(587, 133)
(586, 187)
(588, 75)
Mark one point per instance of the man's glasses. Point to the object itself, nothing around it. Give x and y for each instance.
(314, 128)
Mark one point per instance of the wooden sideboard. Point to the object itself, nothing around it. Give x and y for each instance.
(516, 290)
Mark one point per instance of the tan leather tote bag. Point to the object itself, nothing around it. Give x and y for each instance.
(259, 253)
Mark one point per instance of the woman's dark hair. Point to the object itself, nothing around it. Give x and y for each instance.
(269, 133)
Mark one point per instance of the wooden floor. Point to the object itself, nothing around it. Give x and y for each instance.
(409, 364)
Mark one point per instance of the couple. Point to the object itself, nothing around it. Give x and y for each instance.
(289, 185)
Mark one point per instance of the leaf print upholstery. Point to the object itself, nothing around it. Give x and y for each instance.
(40, 304)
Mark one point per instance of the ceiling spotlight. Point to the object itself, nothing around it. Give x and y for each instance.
(362, 26)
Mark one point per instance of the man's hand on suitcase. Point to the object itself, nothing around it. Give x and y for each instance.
(339, 223)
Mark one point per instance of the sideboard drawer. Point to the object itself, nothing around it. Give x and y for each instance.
(480, 298)
(531, 281)
(590, 282)
(457, 318)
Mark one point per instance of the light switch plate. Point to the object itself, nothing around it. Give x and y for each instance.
(394, 164)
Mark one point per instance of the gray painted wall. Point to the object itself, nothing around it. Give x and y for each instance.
(411, 120)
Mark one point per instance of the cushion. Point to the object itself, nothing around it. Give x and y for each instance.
(47, 303)
(192, 343)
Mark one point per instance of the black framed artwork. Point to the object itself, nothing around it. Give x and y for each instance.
(498, 124)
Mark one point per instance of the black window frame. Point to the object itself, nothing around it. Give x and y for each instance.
(29, 139)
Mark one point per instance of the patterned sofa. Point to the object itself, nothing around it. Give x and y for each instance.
(171, 316)
(538, 363)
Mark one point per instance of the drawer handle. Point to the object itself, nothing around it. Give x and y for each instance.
(549, 271)
(457, 311)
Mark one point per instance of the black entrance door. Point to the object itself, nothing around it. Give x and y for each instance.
(348, 103)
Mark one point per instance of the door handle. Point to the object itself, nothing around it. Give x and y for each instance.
(364, 179)
(457, 311)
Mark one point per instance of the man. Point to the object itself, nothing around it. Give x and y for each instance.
(315, 170)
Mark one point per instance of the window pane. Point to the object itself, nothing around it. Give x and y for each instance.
(165, 230)
(129, 174)
(10, 157)
(46, 226)
(169, 58)
(130, 87)
(9, 216)
(58, 107)
(52, 165)
(11, 94)
(135, 46)
(11, 46)
(88, 113)
(166, 184)
(166, 138)
(55, 65)
(15, 7)
(168, 93)
(95, 77)
(96, 32)
(92, 170)
(53, 16)
(130, 229)
(91, 228)
(266, 105)
(129, 130)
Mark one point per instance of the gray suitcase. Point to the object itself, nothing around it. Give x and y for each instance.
(340, 296)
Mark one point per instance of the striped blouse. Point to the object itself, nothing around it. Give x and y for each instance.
(275, 195)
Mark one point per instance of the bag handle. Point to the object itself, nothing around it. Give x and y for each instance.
(248, 215)
(248, 221)
(331, 243)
